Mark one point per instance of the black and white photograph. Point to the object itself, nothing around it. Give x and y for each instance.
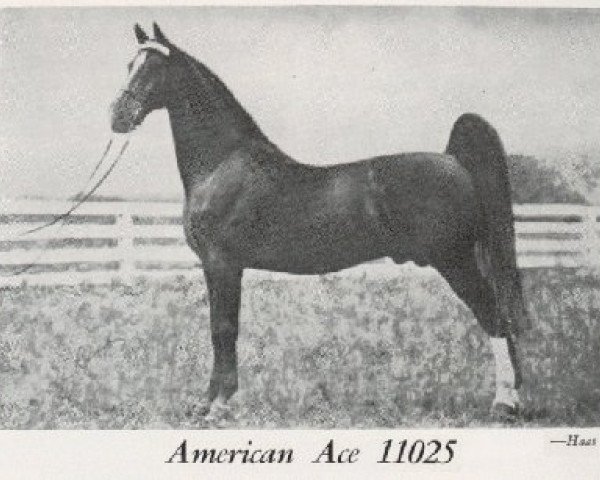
(299, 217)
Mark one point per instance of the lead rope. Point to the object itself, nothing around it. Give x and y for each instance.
(84, 198)
(80, 199)
(99, 164)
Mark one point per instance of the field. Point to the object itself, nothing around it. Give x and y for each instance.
(315, 352)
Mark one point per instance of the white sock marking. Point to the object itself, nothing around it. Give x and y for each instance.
(505, 374)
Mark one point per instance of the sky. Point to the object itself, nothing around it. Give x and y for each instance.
(326, 84)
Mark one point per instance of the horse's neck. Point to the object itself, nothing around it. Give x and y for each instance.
(208, 123)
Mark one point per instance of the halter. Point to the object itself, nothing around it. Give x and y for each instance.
(158, 47)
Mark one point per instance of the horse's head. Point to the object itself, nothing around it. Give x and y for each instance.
(145, 87)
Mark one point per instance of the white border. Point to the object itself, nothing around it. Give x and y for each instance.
(493, 453)
(264, 3)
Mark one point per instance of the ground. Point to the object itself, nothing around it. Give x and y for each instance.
(315, 352)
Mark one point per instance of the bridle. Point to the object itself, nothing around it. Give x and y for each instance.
(153, 45)
(147, 45)
(82, 197)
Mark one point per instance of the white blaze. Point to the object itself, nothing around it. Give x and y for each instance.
(138, 61)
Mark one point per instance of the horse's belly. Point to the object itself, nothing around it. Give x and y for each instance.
(315, 248)
(309, 261)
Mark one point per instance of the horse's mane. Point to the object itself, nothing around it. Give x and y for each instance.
(221, 97)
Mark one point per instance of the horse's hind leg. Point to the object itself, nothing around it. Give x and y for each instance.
(474, 289)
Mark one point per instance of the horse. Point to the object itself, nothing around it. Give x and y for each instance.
(248, 205)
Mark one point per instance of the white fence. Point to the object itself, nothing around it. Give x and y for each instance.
(108, 240)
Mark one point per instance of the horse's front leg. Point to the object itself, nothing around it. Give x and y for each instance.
(224, 288)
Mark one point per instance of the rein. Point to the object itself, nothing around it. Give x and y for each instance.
(81, 198)
(108, 145)
(84, 198)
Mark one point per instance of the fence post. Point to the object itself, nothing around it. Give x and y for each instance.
(125, 246)
(590, 238)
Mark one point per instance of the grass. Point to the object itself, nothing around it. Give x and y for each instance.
(328, 352)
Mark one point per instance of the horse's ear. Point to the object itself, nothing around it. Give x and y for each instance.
(140, 34)
(159, 36)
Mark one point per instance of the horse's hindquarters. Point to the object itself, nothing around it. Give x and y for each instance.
(427, 208)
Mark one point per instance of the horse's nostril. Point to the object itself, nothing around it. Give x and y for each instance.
(121, 125)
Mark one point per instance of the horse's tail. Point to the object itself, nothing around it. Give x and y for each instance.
(477, 146)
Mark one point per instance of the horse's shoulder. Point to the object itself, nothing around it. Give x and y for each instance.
(215, 193)
(212, 193)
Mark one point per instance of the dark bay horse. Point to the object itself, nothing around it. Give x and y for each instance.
(249, 205)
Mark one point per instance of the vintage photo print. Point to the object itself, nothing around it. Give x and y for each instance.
(301, 217)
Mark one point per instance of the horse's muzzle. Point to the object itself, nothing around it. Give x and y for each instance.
(119, 125)
(126, 114)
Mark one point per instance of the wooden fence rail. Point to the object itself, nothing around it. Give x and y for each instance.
(108, 240)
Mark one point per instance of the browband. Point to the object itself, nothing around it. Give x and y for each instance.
(152, 45)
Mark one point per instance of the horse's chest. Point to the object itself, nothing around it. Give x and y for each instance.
(204, 214)
(215, 216)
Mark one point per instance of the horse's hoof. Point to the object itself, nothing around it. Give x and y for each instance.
(506, 413)
(198, 409)
(218, 413)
